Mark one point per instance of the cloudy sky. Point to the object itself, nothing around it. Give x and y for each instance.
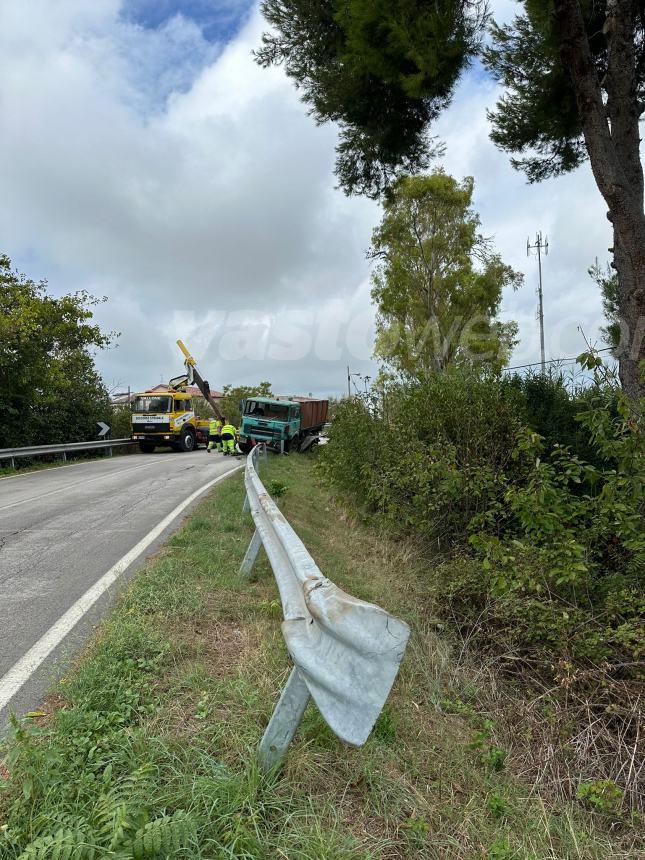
(146, 158)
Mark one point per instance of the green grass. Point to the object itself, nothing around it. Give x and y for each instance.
(147, 749)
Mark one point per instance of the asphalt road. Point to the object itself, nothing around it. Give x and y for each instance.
(61, 531)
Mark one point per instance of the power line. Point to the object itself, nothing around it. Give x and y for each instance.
(552, 360)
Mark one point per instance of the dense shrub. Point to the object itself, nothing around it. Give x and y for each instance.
(550, 545)
(550, 407)
(435, 462)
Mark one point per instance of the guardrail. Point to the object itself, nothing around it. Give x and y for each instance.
(346, 653)
(66, 448)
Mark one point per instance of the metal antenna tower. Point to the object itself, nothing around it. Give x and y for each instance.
(539, 246)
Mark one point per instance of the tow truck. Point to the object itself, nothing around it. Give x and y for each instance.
(166, 418)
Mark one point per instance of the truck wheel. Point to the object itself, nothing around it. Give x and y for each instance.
(187, 440)
(146, 447)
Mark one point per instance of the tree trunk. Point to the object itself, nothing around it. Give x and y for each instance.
(630, 266)
(612, 140)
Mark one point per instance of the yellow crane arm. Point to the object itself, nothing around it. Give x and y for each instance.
(189, 359)
(195, 376)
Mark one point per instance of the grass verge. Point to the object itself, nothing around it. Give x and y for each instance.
(146, 749)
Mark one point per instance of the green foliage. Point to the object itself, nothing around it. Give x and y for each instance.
(550, 542)
(85, 765)
(49, 388)
(117, 826)
(497, 805)
(232, 395)
(550, 409)
(438, 286)
(120, 421)
(601, 794)
(382, 69)
(385, 69)
(385, 726)
(490, 755)
(538, 114)
(607, 280)
(437, 460)
(277, 489)
(500, 849)
(202, 407)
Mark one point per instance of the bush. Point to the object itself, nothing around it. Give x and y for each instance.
(434, 464)
(550, 544)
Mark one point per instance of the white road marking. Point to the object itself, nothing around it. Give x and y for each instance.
(76, 484)
(24, 668)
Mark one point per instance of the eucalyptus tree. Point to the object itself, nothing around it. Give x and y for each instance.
(437, 284)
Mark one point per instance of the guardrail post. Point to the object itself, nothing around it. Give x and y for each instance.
(246, 507)
(284, 722)
(64, 457)
(13, 463)
(250, 555)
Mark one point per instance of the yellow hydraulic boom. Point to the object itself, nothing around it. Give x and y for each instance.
(195, 376)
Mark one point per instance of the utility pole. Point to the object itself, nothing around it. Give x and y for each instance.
(349, 383)
(539, 246)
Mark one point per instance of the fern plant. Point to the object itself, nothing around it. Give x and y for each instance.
(118, 826)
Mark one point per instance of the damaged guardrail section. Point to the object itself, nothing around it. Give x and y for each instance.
(346, 653)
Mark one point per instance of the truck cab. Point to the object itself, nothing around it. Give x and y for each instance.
(282, 423)
(166, 418)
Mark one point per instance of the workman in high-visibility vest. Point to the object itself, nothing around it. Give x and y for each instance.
(228, 437)
(214, 435)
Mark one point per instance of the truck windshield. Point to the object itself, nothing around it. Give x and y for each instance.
(151, 404)
(270, 411)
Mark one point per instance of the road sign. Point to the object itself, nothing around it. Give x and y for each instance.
(102, 429)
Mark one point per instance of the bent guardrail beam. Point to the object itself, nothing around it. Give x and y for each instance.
(64, 449)
(346, 652)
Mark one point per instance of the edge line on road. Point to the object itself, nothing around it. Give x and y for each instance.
(24, 668)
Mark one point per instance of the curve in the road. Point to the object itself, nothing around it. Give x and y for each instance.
(64, 541)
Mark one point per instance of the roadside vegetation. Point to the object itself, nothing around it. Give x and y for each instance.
(50, 390)
(146, 748)
(526, 502)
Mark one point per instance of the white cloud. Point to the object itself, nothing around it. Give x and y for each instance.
(187, 184)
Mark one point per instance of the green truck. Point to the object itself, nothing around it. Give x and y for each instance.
(283, 423)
